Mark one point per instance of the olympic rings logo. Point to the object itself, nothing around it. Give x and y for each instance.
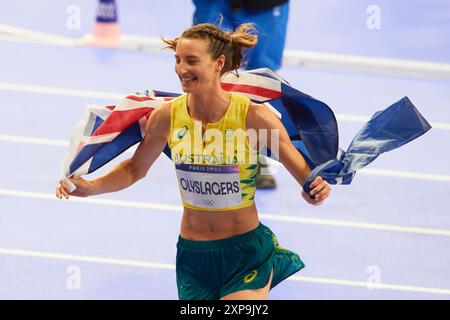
(208, 202)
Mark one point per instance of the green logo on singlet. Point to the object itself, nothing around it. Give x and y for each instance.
(182, 132)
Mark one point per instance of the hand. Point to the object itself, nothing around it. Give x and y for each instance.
(320, 189)
(84, 188)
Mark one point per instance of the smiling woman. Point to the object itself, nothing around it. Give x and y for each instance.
(224, 252)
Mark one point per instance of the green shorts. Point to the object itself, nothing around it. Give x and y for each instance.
(209, 270)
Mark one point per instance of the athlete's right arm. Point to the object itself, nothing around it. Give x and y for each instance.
(131, 170)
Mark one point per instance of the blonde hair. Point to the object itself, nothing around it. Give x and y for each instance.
(230, 44)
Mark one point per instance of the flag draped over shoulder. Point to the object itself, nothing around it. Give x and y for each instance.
(106, 132)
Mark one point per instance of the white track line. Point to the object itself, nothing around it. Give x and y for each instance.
(368, 171)
(60, 91)
(23, 35)
(299, 58)
(166, 266)
(60, 256)
(405, 174)
(362, 119)
(32, 140)
(274, 217)
(117, 97)
(362, 284)
(364, 64)
(11, 38)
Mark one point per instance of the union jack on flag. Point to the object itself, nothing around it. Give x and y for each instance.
(106, 132)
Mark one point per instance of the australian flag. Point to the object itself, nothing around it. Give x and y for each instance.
(106, 132)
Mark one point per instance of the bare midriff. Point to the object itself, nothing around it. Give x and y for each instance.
(199, 225)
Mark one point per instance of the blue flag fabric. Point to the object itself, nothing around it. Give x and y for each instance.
(385, 131)
(106, 132)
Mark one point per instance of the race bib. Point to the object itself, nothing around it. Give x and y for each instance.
(209, 187)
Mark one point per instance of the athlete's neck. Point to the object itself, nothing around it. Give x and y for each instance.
(208, 107)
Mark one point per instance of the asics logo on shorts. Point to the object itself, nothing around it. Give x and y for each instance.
(251, 276)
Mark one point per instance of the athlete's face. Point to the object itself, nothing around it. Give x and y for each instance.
(195, 66)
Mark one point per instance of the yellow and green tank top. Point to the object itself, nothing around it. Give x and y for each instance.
(216, 168)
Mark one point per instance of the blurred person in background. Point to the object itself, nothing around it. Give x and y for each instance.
(270, 17)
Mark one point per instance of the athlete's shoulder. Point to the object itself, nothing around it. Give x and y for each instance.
(159, 120)
(259, 110)
(162, 111)
(260, 116)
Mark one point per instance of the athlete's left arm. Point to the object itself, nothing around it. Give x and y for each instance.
(261, 117)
